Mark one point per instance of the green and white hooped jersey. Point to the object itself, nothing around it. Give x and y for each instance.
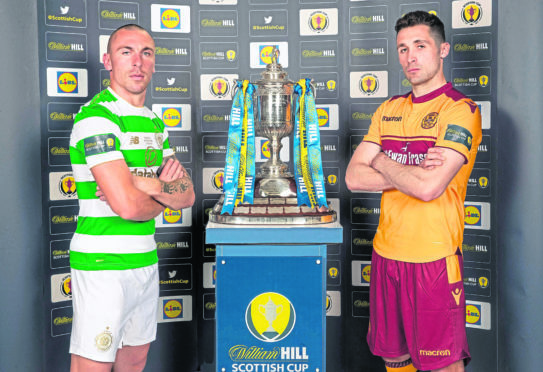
(109, 128)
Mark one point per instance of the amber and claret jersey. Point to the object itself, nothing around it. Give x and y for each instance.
(405, 127)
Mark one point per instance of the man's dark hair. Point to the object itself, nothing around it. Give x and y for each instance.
(129, 26)
(420, 17)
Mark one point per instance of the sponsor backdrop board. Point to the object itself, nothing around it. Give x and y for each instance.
(202, 46)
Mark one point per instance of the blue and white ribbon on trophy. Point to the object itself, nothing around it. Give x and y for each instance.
(307, 149)
(239, 170)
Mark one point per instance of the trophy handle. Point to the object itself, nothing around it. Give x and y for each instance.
(313, 89)
(235, 90)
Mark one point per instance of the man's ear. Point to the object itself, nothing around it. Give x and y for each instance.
(445, 48)
(106, 59)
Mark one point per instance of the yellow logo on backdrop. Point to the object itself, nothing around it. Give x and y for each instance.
(472, 13)
(173, 308)
(368, 83)
(265, 148)
(483, 80)
(67, 82)
(171, 216)
(266, 54)
(472, 215)
(473, 315)
(171, 117)
(170, 18)
(323, 116)
(219, 87)
(483, 182)
(366, 273)
(231, 55)
(218, 180)
(483, 282)
(318, 21)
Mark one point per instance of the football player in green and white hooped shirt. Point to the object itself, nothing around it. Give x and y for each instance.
(116, 148)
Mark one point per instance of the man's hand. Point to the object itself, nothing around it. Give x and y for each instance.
(100, 194)
(173, 188)
(434, 158)
(171, 171)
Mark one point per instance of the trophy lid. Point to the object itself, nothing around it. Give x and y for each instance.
(274, 72)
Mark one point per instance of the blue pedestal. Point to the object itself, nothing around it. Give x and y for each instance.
(270, 294)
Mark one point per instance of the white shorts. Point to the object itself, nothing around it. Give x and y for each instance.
(113, 308)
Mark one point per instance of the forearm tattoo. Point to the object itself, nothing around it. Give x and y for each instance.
(178, 186)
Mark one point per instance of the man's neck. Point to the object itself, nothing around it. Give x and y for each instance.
(429, 86)
(136, 100)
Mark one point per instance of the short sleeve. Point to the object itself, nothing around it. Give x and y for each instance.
(95, 138)
(460, 128)
(374, 132)
(166, 147)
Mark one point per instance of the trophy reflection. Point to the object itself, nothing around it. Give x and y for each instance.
(270, 311)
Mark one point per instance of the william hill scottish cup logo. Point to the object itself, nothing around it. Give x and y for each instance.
(231, 55)
(483, 81)
(67, 82)
(219, 87)
(318, 21)
(472, 13)
(170, 19)
(270, 317)
(369, 84)
(171, 116)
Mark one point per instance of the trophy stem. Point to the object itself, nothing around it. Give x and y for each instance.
(274, 167)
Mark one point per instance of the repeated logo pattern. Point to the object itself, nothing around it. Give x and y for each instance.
(348, 50)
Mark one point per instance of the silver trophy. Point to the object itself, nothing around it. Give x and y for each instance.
(275, 199)
(274, 120)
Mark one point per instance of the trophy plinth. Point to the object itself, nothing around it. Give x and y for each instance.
(272, 211)
(275, 188)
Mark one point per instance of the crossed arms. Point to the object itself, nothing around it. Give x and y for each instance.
(370, 169)
(140, 198)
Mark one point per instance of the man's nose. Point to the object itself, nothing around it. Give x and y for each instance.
(136, 60)
(411, 56)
